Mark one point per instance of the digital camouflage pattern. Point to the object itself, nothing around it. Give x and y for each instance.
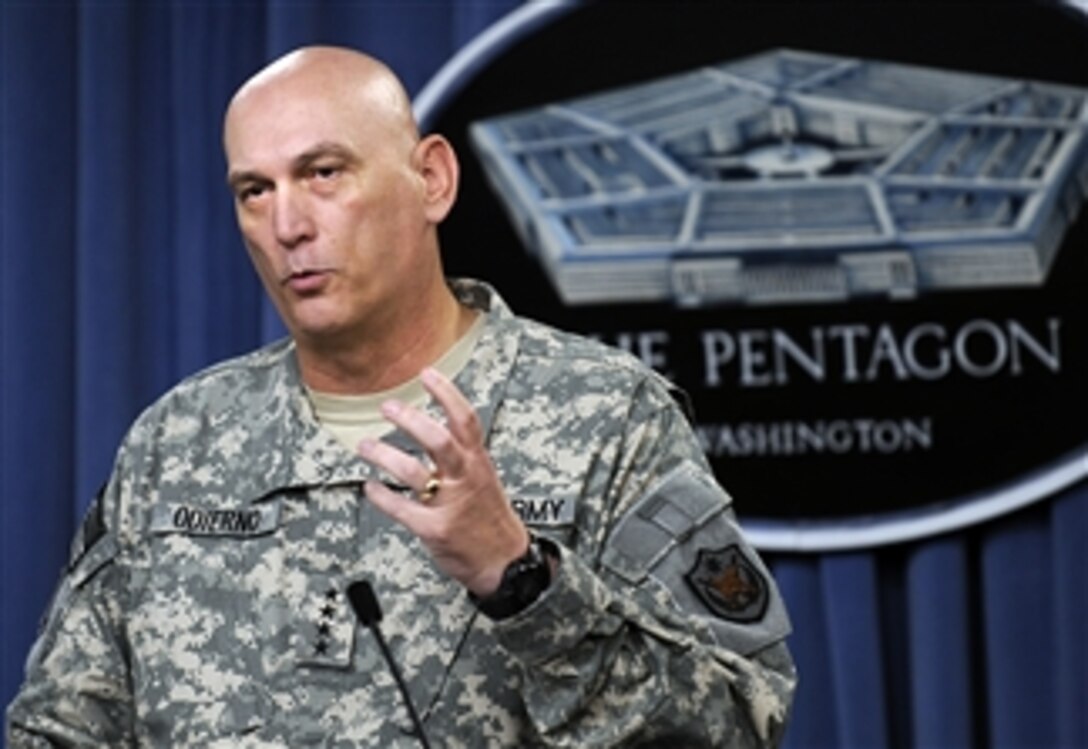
(208, 607)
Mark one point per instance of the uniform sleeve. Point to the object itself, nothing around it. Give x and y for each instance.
(672, 633)
(76, 690)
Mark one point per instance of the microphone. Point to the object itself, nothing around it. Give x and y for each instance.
(366, 607)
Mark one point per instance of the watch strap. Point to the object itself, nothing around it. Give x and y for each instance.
(523, 581)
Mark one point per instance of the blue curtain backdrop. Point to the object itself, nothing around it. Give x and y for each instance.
(121, 271)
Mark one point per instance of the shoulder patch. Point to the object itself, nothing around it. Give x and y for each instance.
(682, 545)
(673, 510)
(729, 584)
(90, 531)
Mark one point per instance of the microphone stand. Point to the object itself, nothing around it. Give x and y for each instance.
(366, 607)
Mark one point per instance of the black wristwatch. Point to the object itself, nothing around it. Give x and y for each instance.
(523, 580)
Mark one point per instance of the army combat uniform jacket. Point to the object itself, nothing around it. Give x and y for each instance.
(205, 601)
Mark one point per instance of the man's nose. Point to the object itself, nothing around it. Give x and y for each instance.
(291, 219)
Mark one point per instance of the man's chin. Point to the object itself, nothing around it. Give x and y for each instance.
(320, 333)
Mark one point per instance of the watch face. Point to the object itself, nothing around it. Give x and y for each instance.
(522, 583)
(531, 576)
(526, 585)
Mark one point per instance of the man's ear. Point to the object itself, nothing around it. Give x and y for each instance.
(441, 174)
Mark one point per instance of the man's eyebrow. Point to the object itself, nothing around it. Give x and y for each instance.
(323, 150)
(234, 179)
(299, 164)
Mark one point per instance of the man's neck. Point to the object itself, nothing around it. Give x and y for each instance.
(373, 363)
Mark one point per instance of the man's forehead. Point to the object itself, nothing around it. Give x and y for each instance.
(333, 79)
(290, 116)
(289, 121)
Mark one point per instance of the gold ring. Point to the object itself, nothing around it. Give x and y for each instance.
(430, 488)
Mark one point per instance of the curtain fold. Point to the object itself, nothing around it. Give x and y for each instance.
(121, 271)
(851, 595)
(939, 645)
(37, 306)
(1017, 634)
(814, 722)
(1068, 636)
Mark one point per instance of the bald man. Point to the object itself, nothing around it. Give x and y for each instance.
(556, 564)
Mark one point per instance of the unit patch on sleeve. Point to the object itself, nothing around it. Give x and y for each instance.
(90, 532)
(729, 584)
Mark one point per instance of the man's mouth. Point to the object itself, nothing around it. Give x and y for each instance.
(306, 280)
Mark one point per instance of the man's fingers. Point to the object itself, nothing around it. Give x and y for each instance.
(401, 466)
(461, 417)
(435, 439)
(400, 508)
(448, 445)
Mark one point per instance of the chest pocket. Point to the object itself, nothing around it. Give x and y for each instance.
(195, 627)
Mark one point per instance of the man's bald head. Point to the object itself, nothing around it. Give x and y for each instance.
(334, 74)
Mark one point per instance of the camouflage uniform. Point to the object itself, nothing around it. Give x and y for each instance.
(205, 605)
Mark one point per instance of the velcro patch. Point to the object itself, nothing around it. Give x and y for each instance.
(729, 584)
(674, 508)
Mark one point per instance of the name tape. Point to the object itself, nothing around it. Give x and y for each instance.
(195, 520)
(544, 512)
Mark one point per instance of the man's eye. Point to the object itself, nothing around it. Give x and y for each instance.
(249, 192)
(325, 172)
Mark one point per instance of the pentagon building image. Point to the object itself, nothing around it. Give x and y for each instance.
(793, 177)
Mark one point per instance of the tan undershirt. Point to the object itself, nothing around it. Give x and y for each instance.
(352, 417)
